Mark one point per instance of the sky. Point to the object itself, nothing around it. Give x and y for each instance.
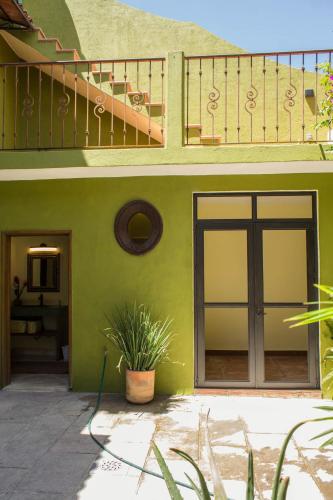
(255, 25)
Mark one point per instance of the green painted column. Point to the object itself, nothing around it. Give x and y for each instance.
(175, 101)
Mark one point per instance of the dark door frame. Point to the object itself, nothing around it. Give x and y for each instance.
(5, 367)
(254, 228)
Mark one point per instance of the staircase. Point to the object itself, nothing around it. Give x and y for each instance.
(136, 97)
(195, 130)
(119, 96)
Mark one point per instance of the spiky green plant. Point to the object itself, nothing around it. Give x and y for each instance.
(280, 483)
(142, 341)
(323, 314)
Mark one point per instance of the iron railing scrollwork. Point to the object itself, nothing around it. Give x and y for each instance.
(254, 98)
(82, 104)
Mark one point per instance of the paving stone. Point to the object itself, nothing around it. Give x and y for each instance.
(24, 452)
(9, 478)
(11, 430)
(35, 441)
(231, 463)
(25, 411)
(303, 436)
(30, 495)
(6, 405)
(138, 431)
(102, 424)
(266, 448)
(5, 496)
(73, 441)
(54, 423)
(103, 486)
(225, 432)
(235, 489)
(301, 485)
(274, 415)
(68, 407)
(150, 485)
(321, 465)
(136, 453)
(184, 440)
(57, 473)
(178, 421)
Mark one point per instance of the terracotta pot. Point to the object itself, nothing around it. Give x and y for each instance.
(140, 386)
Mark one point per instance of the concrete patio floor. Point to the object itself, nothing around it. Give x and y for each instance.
(46, 452)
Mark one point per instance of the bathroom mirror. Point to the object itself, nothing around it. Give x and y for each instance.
(43, 273)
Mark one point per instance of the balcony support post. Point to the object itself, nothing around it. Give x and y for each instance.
(175, 101)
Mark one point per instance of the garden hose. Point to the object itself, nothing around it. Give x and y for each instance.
(101, 445)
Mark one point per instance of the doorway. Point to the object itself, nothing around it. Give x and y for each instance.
(36, 307)
(256, 263)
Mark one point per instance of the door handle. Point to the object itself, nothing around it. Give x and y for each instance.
(260, 311)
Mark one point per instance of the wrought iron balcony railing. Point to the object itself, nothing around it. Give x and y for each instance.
(82, 104)
(254, 98)
(228, 99)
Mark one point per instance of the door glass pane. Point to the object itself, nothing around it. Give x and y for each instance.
(224, 207)
(285, 265)
(225, 266)
(286, 349)
(226, 344)
(284, 207)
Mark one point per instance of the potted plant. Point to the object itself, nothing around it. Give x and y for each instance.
(143, 343)
(18, 290)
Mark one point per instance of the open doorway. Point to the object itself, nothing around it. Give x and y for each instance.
(36, 336)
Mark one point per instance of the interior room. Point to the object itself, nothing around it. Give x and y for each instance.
(39, 298)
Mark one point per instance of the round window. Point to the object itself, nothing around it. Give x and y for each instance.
(138, 227)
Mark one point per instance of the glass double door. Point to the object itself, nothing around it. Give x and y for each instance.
(250, 277)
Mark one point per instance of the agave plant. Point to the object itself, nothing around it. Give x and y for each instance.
(142, 341)
(324, 314)
(280, 483)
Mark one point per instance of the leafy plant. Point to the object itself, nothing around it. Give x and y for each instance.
(142, 341)
(326, 107)
(280, 483)
(324, 314)
(18, 289)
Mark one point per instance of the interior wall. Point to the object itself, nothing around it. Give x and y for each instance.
(19, 252)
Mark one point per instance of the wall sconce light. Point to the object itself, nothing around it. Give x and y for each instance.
(43, 248)
(309, 93)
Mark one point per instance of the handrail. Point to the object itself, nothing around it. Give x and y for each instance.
(83, 61)
(260, 54)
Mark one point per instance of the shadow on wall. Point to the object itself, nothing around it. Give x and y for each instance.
(55, 19)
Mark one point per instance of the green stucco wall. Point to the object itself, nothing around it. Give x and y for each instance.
(104, 275)
(94, 28)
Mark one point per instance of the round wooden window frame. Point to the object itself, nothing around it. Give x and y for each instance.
(121, 226)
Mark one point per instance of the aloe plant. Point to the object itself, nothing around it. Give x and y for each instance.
(280, 483)
(142, 341)
(323, 314)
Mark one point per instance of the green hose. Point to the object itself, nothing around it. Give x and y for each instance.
(101, 445)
